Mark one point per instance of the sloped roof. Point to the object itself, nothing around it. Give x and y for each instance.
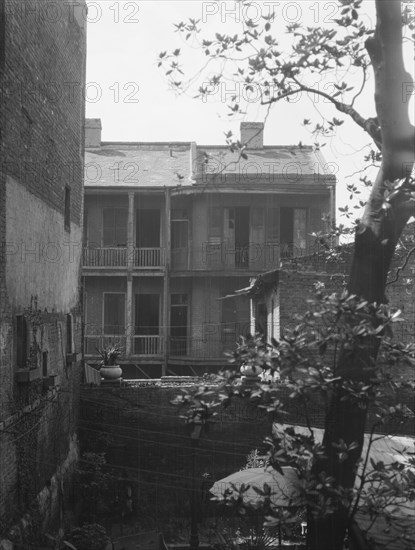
(138, 165)
(182, 164)
(270, 163)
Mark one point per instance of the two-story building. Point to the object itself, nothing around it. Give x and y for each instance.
(170, 228)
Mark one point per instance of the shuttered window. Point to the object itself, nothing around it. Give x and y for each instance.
(114, 221)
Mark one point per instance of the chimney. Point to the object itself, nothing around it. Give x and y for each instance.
(93, 130)
(252, 134)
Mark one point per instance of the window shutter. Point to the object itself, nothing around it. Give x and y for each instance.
(273, 225)
(114, 231)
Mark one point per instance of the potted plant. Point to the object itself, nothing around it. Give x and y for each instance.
(90, 536)
(109, 369)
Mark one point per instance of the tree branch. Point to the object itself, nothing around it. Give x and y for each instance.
(402, 267)
(369, 125)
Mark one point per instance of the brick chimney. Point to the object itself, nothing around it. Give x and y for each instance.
(93, 129)
(252, 134)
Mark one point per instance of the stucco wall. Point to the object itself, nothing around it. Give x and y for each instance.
(41, 257)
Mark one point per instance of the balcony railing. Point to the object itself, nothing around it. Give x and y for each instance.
(222, 256)
(142, 258)
(105, 257)
(149, 257)
(148, 345)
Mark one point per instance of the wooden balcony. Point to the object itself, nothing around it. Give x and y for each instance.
(105, 257)
(118, 257)
(149, 258)
(148, 345)
(222, 257)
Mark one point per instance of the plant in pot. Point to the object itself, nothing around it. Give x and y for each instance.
(109, 369)
(91, 536)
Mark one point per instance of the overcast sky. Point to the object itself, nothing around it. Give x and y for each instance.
(131, 96)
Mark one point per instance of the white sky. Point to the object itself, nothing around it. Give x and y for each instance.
(131, 96)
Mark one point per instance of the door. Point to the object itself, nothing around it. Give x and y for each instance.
(242, 236)
(178, 324)
(236, 236)
(148, 228)
(147, 324)
(293, 231)
(179, 243)
(229, 237)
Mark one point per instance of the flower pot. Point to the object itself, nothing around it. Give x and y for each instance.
(110, 372)
(251, 372)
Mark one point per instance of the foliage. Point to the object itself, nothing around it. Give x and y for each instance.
(109, 354)
(308, 359)
(255, 460)
(90, 536)
(317, 61)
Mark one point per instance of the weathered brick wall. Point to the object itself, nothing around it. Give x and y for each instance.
(147, 445)
(42, 100)
(297, 280)
(42, 71)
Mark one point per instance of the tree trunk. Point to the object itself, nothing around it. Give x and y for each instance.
(375, 243)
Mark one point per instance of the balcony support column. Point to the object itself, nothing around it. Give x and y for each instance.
(130, 232)
(130, 266)
(129, 333)
(166, 281)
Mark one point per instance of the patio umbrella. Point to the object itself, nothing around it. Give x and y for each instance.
(285, 489)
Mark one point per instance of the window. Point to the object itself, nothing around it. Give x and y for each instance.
(67, 213)
(114, 221)
(69, 333)
(261, 321)
(85, 228)
(114, 314)
(45, 364)
(21, 342)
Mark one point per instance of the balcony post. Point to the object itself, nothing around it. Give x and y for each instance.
(130, 232)
(166, 281)
(129, 316)
(129, 333)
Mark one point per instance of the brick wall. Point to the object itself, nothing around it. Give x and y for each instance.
(148, 447)
(42, 75)
(298, 276)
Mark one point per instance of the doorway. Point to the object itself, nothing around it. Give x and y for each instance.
(178, 324)
(148, 228)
